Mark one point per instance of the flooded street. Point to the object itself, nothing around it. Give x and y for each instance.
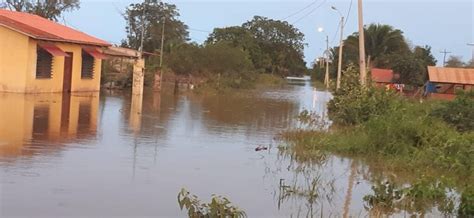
(109, 155)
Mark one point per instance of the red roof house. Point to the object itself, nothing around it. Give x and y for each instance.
(382, 76)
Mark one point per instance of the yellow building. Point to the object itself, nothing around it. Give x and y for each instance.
(38, 55)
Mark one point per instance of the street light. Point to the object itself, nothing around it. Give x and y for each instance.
(472, 44)
(341, 45)
(326, 57)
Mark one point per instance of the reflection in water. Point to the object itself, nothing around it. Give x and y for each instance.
(30, 121)
(58, 160)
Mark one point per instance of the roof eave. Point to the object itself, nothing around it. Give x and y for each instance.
(55, 39)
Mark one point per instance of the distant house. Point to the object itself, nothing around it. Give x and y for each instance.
(382, 77)
(38, 55)
(449, 80)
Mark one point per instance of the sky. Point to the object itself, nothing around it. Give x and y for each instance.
(441, 24)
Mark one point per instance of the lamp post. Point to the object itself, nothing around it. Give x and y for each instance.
(341, 45)
(326, 58)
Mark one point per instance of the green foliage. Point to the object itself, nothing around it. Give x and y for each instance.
(466, 207)
(210, 60)
(412, 70)
(186, 59)
(459, 113)
(381, 41)
(388, 49)
(454, 61)
(218, 207)
(273, 46)
(48, 9)
(425, 55)
(151, 14)
(354, 104)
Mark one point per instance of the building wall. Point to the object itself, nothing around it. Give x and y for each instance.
(18, 67)
(14, 55)
(55, 84)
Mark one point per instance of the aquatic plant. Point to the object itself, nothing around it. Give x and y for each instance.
(418, 198)
(218, 207)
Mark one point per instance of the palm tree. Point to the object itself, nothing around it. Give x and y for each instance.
(381, 42)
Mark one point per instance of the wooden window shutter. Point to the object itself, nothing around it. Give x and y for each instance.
(87, 65)
(44, 62)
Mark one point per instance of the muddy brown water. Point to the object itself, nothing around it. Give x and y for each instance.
(114, 155)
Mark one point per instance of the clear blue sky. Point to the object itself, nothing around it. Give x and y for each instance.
(439, 23)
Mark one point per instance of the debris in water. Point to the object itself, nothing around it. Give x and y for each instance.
(261, 148)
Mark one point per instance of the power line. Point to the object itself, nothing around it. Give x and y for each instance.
(301, 10)
(310, 12)
(199, 30)
(348, 13)
(335, 34)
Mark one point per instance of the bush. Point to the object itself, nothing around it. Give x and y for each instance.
(218, 207)
(354, 104)
(459, 113)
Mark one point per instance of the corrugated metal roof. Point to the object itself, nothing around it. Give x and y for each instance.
(43, 29)
(451, 75)
(382, 75)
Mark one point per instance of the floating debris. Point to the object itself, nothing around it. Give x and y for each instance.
(261, 148)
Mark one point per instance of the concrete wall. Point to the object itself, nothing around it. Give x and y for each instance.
(14, 55)
(18, 67)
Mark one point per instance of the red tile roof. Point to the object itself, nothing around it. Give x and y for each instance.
(43, 29)
(451, 75)
(382, 75)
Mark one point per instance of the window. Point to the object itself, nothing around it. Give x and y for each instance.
(44, 61)
(87, 65)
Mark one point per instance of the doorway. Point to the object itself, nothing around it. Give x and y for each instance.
(67, 79)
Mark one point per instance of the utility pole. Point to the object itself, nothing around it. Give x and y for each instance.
(339, 65)
(445, 52)
(341, 45)
(472, 44)
(363, 70)
(161, 51)
(326, 77)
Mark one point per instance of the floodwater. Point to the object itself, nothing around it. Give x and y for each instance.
(114, 155)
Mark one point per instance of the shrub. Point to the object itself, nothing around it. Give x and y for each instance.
(354, 104)
(219, 206)
(459, 113)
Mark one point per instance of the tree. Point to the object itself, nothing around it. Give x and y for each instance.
(454, 61)
(412, 70)
(381, 43)
(281, 41)
(424, 54)
(151, 14)
(274, 46)
(50, 9)
(470, 64)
